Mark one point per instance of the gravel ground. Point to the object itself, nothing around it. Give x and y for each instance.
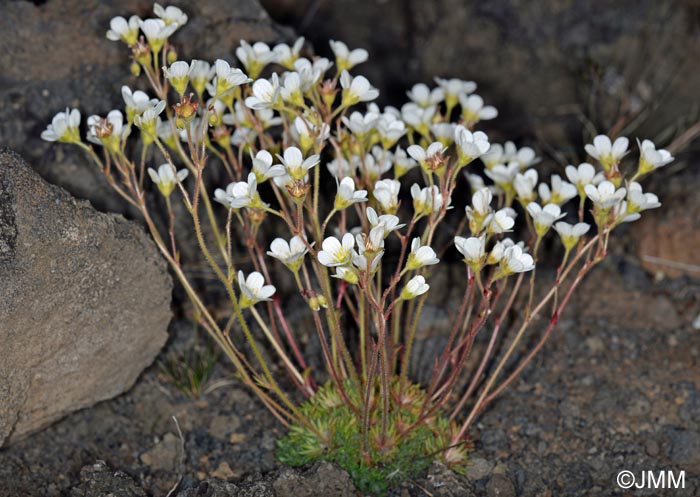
(616, 388)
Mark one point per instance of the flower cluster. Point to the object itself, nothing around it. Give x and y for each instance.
(361, 198)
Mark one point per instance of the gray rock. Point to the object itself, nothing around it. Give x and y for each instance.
(684, 448)
(97, 480)
(164, 454)
(85, 302)
(568, 58)
(321, 479)
(478, 468)
(443, 482)
(500, 486)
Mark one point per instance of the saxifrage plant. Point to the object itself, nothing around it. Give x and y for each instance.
(361, 256)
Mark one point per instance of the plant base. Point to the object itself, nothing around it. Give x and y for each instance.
(377, 452)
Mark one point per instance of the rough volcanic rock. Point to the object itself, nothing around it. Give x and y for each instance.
(544, 64)
(666, 238)
(85, 302)
(55, 54)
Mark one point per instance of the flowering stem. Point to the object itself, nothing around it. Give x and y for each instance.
(492, 379)
(489, 349)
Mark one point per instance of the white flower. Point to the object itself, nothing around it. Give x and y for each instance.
(388, 221)
(108, 131)
(417, 117)
(375, 164)
(170, 14)
(254, 289)
(216, 109)
(423, 96)
(503, 175)
(228, 77)
(473, 249)
(420, 256)
(429, 159)
(474, 110)
(524, 185)
(499, 154)
(426, 200)
(650, 158)
(244, 136)
(560, 193)
(136, 102)
(526, 157)
(295, 164)
(606, 152)
(178, 74)
(347, 274)
(347, 195)
(571, 233)
(544, 217)
(514, 260)
(336, 252)
(386, 192)
(372, 243)
(201, 73)
(479, 213)
(502, 221)
(444, 132)
(311, 72)
(307, 133)
(365, 264)
(157, 32)
(291, 90)
(121, 29)
(476, 182)
(583, 175)
(166, 179)
(346, 59)
(470, 145)
(416, 286)
(285, 55)
(390, 129)
(638, 201)
(361, 125)
(240, 194)
(498, 250)
(290, 254)
(254, 58)
(604, 195)
(341, 168)
(454, 89)
(63, 127)
(265, 93)
(263, 168)
(622, 214)
(356, 89)
(402, 163)
(165, 133)
(148, 119)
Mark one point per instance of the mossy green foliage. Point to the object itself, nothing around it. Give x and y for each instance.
(374, 462)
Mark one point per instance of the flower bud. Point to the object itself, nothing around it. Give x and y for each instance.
(172, 56)
(135, 69)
